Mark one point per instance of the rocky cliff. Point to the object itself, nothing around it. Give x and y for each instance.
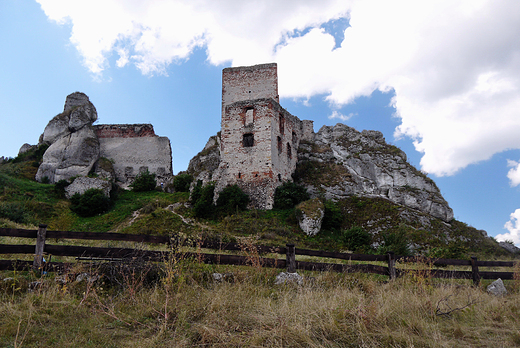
(341, 162)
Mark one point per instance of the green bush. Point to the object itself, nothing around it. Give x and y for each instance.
(14, 211)
(357, 239)
(181, 182)
(395, 241)
(92, 202)
(145, 181)
(289, 195)
(232, 199)
(333, 218)
(202, 200)
(59, 188)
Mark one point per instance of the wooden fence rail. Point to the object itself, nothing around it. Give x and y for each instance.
(255, 252)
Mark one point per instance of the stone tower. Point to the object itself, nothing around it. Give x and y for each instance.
(259, 138)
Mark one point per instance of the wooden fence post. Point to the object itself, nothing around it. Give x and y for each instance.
(474, 271)
(391, 265)
(291, 258)
(40, 244)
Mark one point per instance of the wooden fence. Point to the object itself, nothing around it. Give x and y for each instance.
(252, 252)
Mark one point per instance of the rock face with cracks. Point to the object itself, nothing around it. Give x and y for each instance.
(74, 146)
(348, 162)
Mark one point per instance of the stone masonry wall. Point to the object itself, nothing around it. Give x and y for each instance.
(249, 83)
(130, 156)
(259, 139)
(124, 130)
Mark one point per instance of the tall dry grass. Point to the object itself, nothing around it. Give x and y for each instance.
(186, 308)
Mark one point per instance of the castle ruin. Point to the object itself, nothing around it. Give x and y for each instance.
(259, 138)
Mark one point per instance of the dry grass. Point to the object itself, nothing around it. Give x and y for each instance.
(185, 308)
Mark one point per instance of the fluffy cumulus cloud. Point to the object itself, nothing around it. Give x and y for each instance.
(453, 66)
(339, 116)
(514, 173)
(513, 226)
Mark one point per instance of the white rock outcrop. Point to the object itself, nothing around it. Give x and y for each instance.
(368, 166)
(74, 146)
(81, 184)
(310, 216)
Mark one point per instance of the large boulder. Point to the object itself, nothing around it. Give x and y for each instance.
(310, 216)
(74, 146)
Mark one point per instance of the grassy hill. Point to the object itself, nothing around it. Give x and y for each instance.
(178, 304)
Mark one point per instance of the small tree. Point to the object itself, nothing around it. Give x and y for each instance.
(143, 182)
(357, 239)
(92, 202)
(202, 200)
(231, 199)
(289, 195)
(181, 182)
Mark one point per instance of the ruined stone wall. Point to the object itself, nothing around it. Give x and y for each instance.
(249, 83)
(258, 148)
(124, 130)
(259, 138)
(132, 155)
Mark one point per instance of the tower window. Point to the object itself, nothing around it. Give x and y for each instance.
(249, 116)
(281, 123)
(248, 140)
(279, 145)
(289, 154)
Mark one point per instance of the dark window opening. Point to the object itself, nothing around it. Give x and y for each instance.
(248, 140)
(294, 138)
(239, 175)
(279, 145)
(279, 177)
(289, 154)
(281, 124)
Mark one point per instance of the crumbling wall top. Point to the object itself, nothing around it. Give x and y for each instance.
(124, 130)
(249, 82)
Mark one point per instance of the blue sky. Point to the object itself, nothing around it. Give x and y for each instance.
(440, 79)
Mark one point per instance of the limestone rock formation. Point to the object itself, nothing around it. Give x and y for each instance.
(202, 166)
(497, 288)
(113, 152)
(82, 184)
(310, 216)
(74, 146)
(24, 148)
(347, 162)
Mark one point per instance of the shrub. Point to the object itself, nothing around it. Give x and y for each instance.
(202, 200)
(92, 202)
(395, 241)
(232, 199)
(357, 239)
(59, 188)
(181, 182)
(333, 217)
(14, 211)
(145, 181)
(289, 195)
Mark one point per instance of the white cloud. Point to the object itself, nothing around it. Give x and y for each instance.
(513, 226)
(454, 66)
(514, 173)
(340, 116)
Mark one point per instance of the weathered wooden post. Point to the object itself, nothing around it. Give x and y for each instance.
(291, 258)
(474, 271)
(391, 265)
(40, 244)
